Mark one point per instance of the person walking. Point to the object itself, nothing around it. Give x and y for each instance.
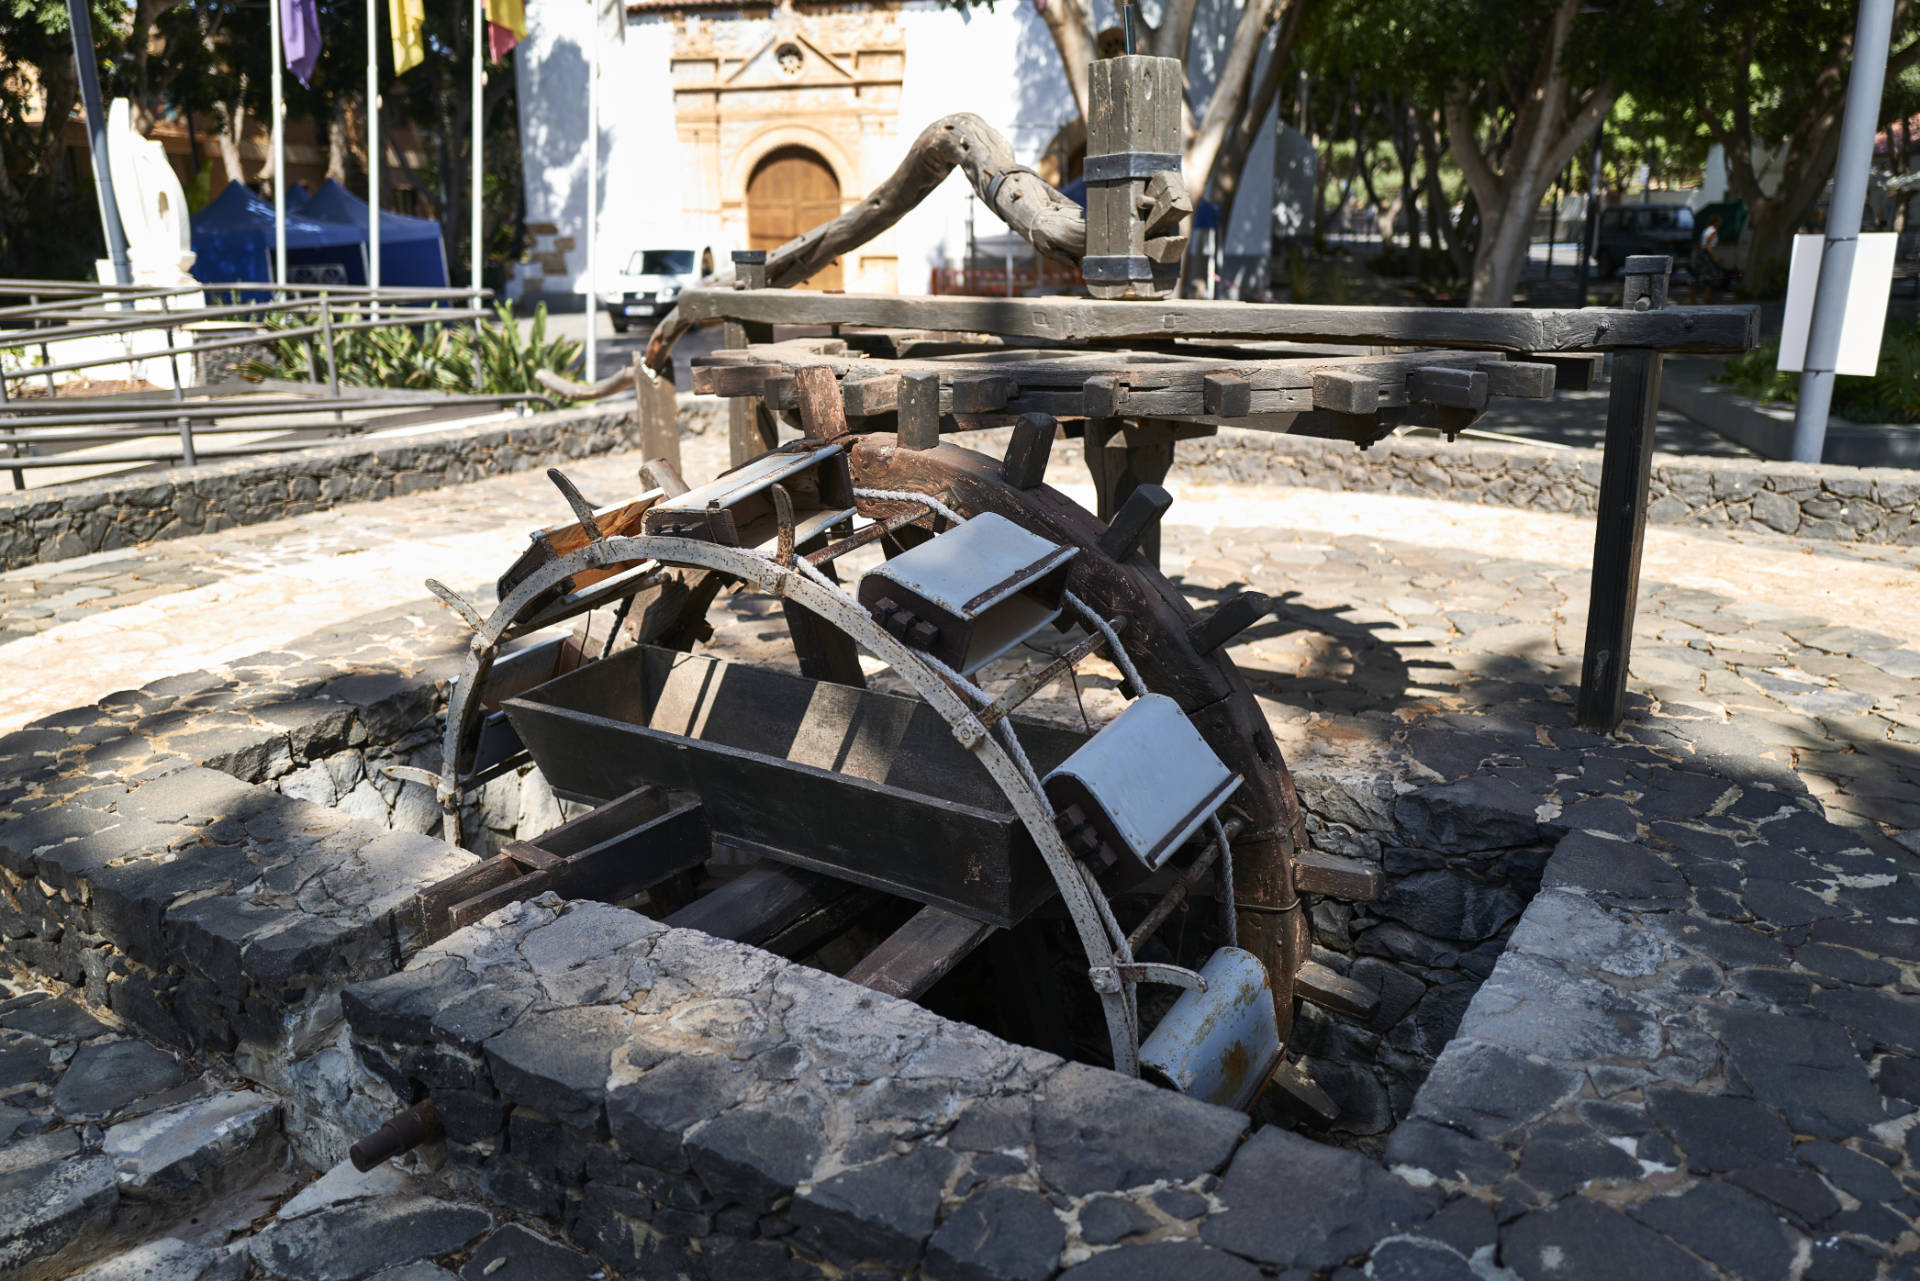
(1706, 260)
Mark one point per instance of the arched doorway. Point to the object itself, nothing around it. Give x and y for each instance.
(792, 191)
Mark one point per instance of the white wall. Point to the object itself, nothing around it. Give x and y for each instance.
(1002, 67)
(998, 64)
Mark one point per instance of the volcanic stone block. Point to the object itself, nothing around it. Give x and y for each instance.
(516, 1254)
(1338, 1204)
(1097, 1132)
(106, 1076)
(649, 1116)
(756, 1155)
(362, 1237)
(1581, 1237)
(1487, 1090)
(1001, 1234)
(559, 1061)
(883, 1212)
(196, 1146)
(1723, 1225)
(43, 1212)
(1187, 1260)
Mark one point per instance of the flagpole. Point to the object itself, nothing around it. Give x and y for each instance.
(374, 156)
(279, 148)
(593, 187)
(479, 79)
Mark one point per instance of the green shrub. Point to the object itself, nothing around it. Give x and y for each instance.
(1890, 396)
(449, 358)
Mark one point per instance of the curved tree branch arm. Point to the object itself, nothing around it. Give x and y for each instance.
(1593, 109)
(562, 386)
(1047, 220)
(1466, 153)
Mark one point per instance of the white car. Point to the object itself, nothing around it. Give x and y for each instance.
(652, 282)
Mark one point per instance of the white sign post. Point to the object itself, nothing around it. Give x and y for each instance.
(1869, 282)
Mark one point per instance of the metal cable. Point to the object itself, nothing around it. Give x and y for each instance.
(911, 496)
(1120, 657)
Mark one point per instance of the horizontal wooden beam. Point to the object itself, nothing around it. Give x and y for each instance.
(1066, 319)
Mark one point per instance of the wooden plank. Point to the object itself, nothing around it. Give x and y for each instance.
(1067, 319)
(1336, 877)
(759, 903)
(750, 429)
(1620, 528)
(920, 953)
(657, 405)
(1331, 990)
(1346, 392)
(435, 902)
(1573, 371)
(871, 394)
(818, 394)
(1025, 463)
(1296, 1092)
(1453, 388)
(981, 393)
(919, 410)
(1525, 380)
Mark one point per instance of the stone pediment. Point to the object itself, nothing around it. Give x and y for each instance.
(789, 58)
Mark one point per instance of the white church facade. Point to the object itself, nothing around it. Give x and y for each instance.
(739, 127)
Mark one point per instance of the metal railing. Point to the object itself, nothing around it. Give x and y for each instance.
(64, 311)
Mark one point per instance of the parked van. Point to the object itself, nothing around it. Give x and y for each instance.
(1626, 230)
(651, 283)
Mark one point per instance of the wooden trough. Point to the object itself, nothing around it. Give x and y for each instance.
(771, 755)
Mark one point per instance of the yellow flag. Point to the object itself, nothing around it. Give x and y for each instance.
(409, 45)
(506, 26)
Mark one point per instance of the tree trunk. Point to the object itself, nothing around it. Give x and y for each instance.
(1068, 22)
(1542, 137)
(233, 128)
(337, 150)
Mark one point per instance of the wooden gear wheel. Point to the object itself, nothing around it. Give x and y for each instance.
(661, 586)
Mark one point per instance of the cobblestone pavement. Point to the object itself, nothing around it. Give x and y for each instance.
(107, 1141)
(1397, 608)
(1698, 1044)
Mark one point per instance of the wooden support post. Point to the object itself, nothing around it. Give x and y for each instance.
(1133, 136)
(657, 405)
(1620, 527)
(919, 410)
(751, 430)
(1120, 461)
(817, 393)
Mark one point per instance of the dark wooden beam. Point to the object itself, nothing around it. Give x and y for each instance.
(920, 953)
(1065, 319)
(1620, 528)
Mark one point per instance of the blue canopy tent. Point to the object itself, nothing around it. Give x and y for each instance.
(233, 240)
(412, 254)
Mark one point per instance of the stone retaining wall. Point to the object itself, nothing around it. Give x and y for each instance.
(1873, 505)
(63, 521)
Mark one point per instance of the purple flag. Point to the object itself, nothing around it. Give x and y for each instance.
(300, 31)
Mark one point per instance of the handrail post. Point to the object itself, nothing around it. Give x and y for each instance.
(19, 477)
(326, 336)
(179, 392)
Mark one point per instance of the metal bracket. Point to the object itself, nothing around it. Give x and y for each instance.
(1121, 166)
(1110, 978)
(1117, 267)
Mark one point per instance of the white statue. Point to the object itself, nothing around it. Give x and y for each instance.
(153, 208)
